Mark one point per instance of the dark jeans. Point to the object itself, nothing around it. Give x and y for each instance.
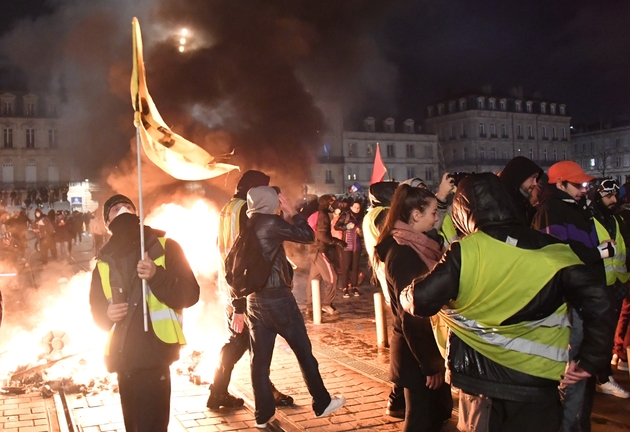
(509, 416)
(350, 268)
(145, 397)
(231, 353)
(269, 313)
(426, 409)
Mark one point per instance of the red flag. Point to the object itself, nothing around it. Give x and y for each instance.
(379, 170)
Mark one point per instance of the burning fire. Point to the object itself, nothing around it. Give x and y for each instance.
(63, 326)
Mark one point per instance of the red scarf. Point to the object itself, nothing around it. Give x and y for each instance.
(427, 249)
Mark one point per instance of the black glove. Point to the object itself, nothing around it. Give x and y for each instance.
(340, 243)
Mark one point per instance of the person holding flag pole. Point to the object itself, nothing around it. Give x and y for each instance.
(142, 345)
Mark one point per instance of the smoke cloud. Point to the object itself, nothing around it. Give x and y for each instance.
(249, 80)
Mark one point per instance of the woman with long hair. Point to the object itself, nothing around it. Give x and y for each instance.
(416, 363)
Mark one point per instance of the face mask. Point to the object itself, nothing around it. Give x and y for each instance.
(122, 210)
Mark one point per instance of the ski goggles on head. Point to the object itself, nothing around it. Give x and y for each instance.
(608, 187)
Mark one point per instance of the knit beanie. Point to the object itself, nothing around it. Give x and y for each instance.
(262, 199)
(250, 179)
(112, 201)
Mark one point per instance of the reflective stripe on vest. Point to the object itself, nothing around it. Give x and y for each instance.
(167, 323)
(493, 289)
(616, 266)
(229, 225)
(448, 231)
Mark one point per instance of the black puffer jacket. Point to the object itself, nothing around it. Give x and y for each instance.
(272, 230)
(480, 204)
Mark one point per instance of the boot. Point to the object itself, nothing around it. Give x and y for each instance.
(216, 400)
(280, 398)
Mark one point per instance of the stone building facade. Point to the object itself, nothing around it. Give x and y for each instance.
(482, 132)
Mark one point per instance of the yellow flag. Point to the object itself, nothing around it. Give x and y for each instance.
(173, 153)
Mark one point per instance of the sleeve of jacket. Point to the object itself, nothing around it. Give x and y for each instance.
(240, 304)
(298, 232)
(98, 302)
(586, 292)
(175, 285)
(625, 233)
(341, 223)
(417, 331)
(426, 295)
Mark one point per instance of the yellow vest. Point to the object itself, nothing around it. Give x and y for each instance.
(615, 266)
(167, 323)
(496, 281)
(229, 225)
(448, 231)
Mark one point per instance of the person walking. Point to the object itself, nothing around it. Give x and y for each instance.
(45, 231)
(141, 358)
(508, 349)
(349, 224)
(232, 219)
(274, 311)
(416, 363)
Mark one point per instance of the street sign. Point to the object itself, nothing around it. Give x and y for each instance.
(76, 200)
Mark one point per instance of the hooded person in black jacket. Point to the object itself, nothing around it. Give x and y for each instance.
(141, 358)
(509, 340)
(520, 177)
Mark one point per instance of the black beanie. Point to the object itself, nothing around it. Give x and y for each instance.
(250, 179)
(112, 201)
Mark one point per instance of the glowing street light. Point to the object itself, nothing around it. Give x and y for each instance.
(184, 32)
(182, 41)
(181, 49)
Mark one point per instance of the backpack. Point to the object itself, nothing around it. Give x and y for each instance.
(246, 269)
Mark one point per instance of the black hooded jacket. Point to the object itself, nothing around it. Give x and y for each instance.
(512, 176)
(480, 204)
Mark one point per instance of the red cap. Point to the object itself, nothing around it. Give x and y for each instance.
(568, 171)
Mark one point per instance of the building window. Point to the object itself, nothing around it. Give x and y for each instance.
(7, 172)
(519, 151)
(505, 155)
(440, 109)
(592, 146)
(352, 150)
(502, 104)
(411, 172)
(428, 174)
(554, 133)
(369, 149)
(464, 132)
(493, 130)
(617, 143)
(491, 103)
(411, 153)
(428, 152)
(52, 109)
(504, 131)
(351, 174)
(543, 108)
(7, 108)
(618, 162)
(564, 155)
(30, 138)
(482, 130)
(53, 173)
(409, 126)
(8, 137)
(329, 177)
(451, 106)
(465, 153)
(583, 147)
(454, 155)
(480, 104)
(531, 153)
(452, 132)
(552, 108)
(555, 155)
(30, 109)
(482, 153)
(544, 132)
(369, 124)
(530, 132)
(545, 154)
(391, 151)
(389, 125)
(518, 106)
(31, 172)
(528, 106)
(626, 160)
(493, 153)
(462, 104)
(519, 131)
(562, 109)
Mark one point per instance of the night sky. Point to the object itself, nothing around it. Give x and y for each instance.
(253, 85)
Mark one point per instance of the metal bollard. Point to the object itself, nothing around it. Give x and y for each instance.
(381, 321)
(317, 302)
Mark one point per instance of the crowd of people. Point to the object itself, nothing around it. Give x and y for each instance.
(510, 288)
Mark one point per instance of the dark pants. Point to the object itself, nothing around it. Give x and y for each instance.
(230, 354)
(622, 335)
(47, 244)
(321, 266)
(510, 416)
(145, 397)
(350, 268)
(269, 313)
(427, 410)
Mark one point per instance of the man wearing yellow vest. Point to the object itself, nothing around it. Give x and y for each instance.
(141, 358)
(506, 289)
(610, 227)
(232, 219)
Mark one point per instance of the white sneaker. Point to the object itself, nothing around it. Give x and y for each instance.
(264, 425)
(613, 388)
(336, 402)
(614, 359)
(622, 365)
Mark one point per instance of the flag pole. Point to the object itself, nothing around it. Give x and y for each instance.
(141, 215)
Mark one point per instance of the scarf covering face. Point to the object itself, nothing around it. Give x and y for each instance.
(427, 249)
